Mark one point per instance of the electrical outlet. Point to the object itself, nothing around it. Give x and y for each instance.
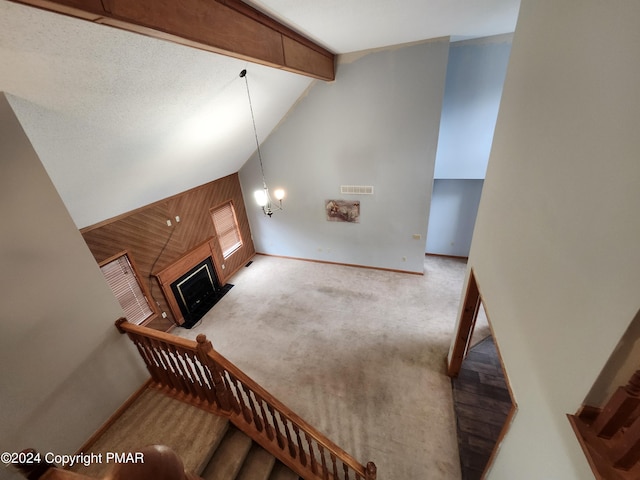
(164, 314)
(168, 223)
(417, 236)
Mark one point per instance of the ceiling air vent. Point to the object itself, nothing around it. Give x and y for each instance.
(356, 189)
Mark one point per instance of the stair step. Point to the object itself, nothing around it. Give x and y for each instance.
(257, 465)
(228, 457)
(216, 433)
(282, 472)
(157, 419)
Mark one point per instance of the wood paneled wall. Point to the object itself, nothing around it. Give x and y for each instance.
(153, 245)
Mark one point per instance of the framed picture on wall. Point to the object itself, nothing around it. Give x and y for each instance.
(342, 211)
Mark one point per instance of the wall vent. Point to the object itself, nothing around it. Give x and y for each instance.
(356, 189)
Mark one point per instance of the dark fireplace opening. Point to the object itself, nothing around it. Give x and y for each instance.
(197, 291)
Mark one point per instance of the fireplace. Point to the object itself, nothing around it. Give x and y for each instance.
(191, 286)
(197, 291)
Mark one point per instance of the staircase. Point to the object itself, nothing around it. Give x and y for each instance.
(208, 444)
(237, 457)
(196, 373)
(610, 436)
(216, 421)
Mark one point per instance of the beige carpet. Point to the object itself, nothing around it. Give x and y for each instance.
(358, 353)
(157, 419)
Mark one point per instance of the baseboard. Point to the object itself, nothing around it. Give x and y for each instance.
(111, 420)
(341, 264)
(457, 257)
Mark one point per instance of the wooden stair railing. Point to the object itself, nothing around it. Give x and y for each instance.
(195, 372)
(610, 437)
(160, 463)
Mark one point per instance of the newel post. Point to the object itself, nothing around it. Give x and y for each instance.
(223, 394)
(620, 406)
(35, 469)
(371, 471)
(119, 323)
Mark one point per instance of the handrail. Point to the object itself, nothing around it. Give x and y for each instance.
(197, 373)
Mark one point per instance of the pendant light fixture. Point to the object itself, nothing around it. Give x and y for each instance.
(263, 198)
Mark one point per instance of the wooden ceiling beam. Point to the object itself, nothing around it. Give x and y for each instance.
(226, 27)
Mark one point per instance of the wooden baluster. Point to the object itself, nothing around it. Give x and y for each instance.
(279, 436)
(162, 372)
(303, 456)
(181, 372)
(191, 380)
(246, 413)
(345, 467)
(142, 348)
(151, 366)
(256, 418)
(292, 447)
(312, 455)
(620, 406)
(234, 393)
(162, 364)
(172, 369)
(325, 470)
(202, 371)
(222, 390)
(218, 386)
(371, 471)
(197, 380)
(333, 464)
(206, 385)
(227, 379)
(267, 425)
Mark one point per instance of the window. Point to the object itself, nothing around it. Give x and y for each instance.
(125, 284)
(226, 225)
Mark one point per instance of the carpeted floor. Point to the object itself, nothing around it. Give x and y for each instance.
(358, 353)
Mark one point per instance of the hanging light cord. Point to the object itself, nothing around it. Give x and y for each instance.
(243, 74)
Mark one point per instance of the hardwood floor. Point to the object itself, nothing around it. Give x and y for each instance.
(482, 404)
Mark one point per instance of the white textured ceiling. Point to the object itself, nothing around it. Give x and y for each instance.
(345, 26)
(120, 120)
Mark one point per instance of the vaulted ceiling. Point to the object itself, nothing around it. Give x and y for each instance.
(121, 119)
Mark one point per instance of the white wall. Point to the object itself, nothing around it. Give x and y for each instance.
(454, 206)
(472, 92)
(555, 248)
(376, 124)
(64, 367)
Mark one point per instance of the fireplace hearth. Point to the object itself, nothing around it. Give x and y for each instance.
(197, 291)
(191, 284)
